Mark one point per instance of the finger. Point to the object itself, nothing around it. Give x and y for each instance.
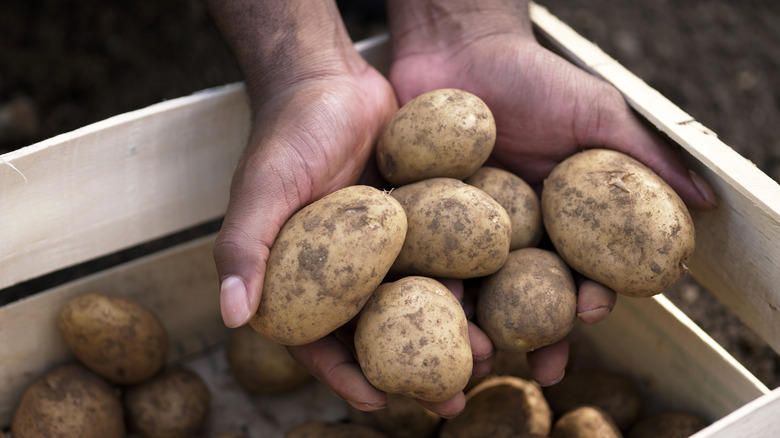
(594, 301)
(548, 364)
(330, 362)
(481, 350)
(447, 409)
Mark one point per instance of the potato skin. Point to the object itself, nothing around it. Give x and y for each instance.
(262, 366)
(326, 261)
(173, 404)
(455, 230)
(412, 338)
(115, 337)
(518, 199)
(69, 401)
(531, 302)
(586, 422)
(442, 133)
(615, 221)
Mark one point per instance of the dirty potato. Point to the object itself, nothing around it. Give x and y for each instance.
(586, 422)
(326, 261)
(455, 230)
(518, 199)
(115, 337)
(442, 133)
(615, 221)
(412, 338)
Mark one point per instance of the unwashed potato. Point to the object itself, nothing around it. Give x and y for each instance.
(69, 401)
(615, 221)
(455, 230)
(326, 261)
(412, 338)
(586, 422)
(115, 337)
(324, 429)
(442, 133)
(501, 407)
(615, 393)
(668, 424)
(531, 302)
(403, 417)
(173, 404)
(262, 366)
(518, 199)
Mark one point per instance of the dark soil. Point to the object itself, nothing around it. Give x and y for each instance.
(65, 64)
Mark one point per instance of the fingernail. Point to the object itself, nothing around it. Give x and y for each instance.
(594, 315)
(234, 302)
(555, 380)
(365, 407)
(703, 188)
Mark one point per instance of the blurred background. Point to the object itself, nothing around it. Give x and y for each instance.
(65, 64)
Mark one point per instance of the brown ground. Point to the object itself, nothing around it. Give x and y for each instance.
(66, 64)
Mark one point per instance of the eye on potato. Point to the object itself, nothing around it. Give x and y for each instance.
(455, 230)
(326, 261)
(412, 338)
(615, 221)
(442, 133)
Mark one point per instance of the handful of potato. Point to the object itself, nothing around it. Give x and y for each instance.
(608, 217)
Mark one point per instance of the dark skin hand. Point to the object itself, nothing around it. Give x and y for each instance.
(318, 109)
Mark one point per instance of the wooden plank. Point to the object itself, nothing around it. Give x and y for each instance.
(119, 182)
(179, 285)
(738, 256)
(756, 419)
(675, 360)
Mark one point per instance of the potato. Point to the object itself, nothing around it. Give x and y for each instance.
(501, 407)
(586, 422)
(412, 338)
(531, 302)
(443, 133)
(172, 404)
(615, 393)
(668, 424)
(115, 337)
(615, 221)
(262, 366)
(518, 199)
(454, 230)
(69, 401)
(325, 263)
(403, 417)
(324, 429)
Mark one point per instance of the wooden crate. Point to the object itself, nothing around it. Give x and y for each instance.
(149, 173)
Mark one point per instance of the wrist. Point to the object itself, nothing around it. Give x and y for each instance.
(418, 26)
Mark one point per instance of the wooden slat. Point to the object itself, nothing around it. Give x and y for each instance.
(738, 255)
(756, 419)
(179, 285)
(119, 182)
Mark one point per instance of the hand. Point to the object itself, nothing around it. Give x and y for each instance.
(546, 109)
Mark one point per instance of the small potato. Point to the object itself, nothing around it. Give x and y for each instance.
(262, 366)
(455, 230)
(531, 302)
(115, 337)
(442, 133)
(615, 393)
(173, 404)
(325, 263)
(586, 422)
(518, 199)
(668, 424)
(403, 417)
(324, 429)
(412, 338)
(615, 221)
(69, 401)
(501, 407)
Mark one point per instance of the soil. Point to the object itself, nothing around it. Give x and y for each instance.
(66, 64)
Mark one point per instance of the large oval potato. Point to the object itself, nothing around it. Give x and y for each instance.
(518, 199)
(442, 133)
(412, 338)
(115, 337)
(531, 302)
(326, 261)
(586, 422)
(615, 221)
(455, 230)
